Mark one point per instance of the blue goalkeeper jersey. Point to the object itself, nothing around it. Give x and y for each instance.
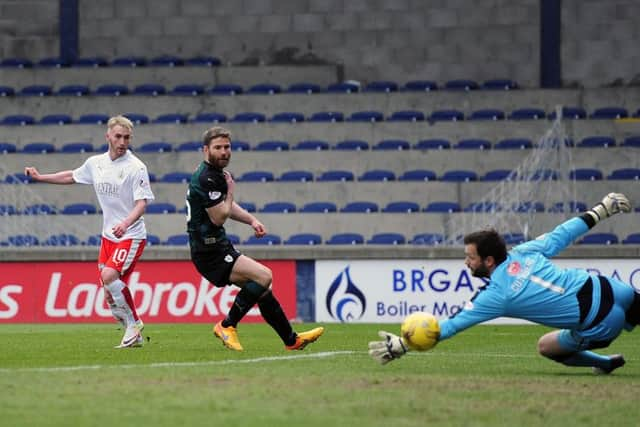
(527, 285)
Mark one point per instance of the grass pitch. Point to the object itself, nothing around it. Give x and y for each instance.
(69, 375)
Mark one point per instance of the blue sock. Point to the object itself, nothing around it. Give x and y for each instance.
(588, 358)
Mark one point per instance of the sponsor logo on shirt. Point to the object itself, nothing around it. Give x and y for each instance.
(107, 189)
(514, 268)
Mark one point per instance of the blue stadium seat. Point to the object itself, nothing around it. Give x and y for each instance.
(248, 117)
(387, 239)
(272, 146)
(420, 86)
(17, 178)
(7, 91)
(360, 207)
(129, 61)
(171, 118)
(79, 209)
(187, 90)
(336, 175)
(418, 175)
(153, 240)
(575, 113)
(36, 90)
(429, 239)
(625, 174)
(513, 144)
(267, 239)
(487, 114)
(226, 89)
(176, 177)
(461, 84)
(256, 176)
(497, 175)
(16, 63)
(39, 209)
(609, 113)
(432, 144)
(304, 239)
(366, 116)
(459, 176)
(55, 119)
(296, 176)
(149, 89)
(166, 61)
(39, 148)
(499, 84)
(23, 240)
(7, 210)
(570, 206)
(377, 175)
(248, 206)
(74, 90)
(112, 90)
(233, 238)
(93, 119)
(287, 117)
(312, 145)
(304, 88)
(473, 144)
(190, 146)
(345, 239)
(514, 238)
(327, 116)
(442, 207)
(528, 206)
(384, 86)
(240, 146)
(351, 145)
(209, 118)
(177, 240)
(599, 239)
(406, 116)
(264, 89)
(344, 87)
(632, 239)
(631, 141)
(401, 207)
(319, 207)
(7, 147)
(545, 175)
(446, 116)
(137, 118)
(18, 120)
(483, 207)
(160, 208)
(392, 144)
(528, 114)
(597, 142)
(90, 62)
(203, 61)
(586, 174)
(279, 207)
(63, 239)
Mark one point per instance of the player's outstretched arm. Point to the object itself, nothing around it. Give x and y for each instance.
(62, 177)
(611, 204)
(390, 348)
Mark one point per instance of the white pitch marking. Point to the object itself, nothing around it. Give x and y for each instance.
(320, 355)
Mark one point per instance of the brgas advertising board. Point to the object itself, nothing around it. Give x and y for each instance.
(164, 291)
(386, 291)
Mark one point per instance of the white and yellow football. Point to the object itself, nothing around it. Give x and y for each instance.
(420, 331)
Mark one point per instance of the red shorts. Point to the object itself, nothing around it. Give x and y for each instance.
(121, 256)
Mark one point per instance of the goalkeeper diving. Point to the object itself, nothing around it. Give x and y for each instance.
(590, 311)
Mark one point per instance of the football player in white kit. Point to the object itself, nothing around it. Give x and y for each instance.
(121, 182)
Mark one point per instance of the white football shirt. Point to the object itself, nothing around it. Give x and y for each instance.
(118, 184)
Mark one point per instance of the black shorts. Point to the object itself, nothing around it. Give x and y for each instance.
(215, 265)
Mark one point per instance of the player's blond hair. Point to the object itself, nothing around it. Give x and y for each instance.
(120, 120)
(213, 133)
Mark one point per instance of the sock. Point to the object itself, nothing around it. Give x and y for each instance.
(588, 358)
(272, 312)
(115, 288)
(246, 298)
(129, 298)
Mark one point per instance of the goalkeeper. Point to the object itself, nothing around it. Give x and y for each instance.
(590, 311)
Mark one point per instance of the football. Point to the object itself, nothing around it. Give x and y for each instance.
(420, 331)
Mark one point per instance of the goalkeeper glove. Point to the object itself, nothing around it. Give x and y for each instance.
(612, 204)
(393, 347)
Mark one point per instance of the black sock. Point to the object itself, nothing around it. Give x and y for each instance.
(274, 315)
(245, 299)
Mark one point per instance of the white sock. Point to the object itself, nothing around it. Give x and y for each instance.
(115, 289)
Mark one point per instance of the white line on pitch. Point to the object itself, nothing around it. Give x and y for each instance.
(320, 355)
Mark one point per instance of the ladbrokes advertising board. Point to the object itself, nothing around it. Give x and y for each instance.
(164, 291)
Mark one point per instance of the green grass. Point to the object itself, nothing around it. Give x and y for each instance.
(70, 375)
